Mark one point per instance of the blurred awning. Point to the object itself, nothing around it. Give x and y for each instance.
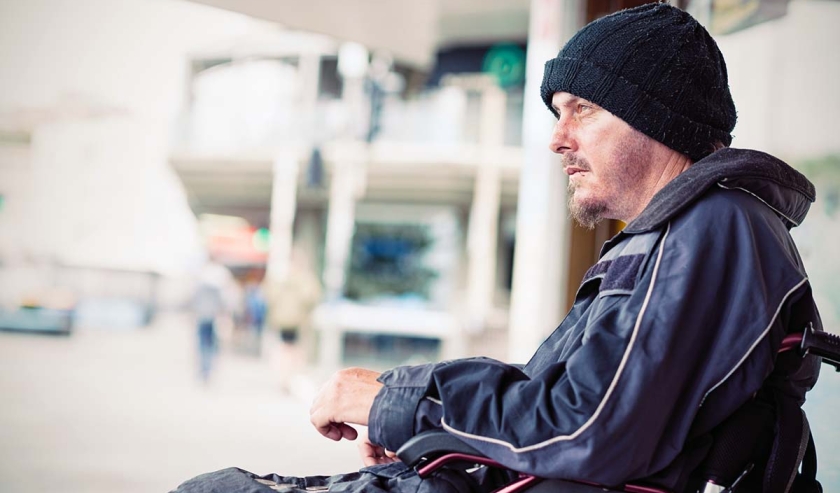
(240, 184)
(411, 31)
(237, 185)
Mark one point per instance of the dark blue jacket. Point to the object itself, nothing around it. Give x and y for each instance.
(674, 328)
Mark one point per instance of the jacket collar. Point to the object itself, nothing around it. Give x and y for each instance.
(781, 187)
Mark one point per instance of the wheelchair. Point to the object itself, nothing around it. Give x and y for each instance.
(729, 460)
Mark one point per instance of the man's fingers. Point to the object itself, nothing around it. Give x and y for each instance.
(346, 398)
(368, 453)
(373, 454)
(323, 423)
(330, 431)
(337, 431)
(347, 431)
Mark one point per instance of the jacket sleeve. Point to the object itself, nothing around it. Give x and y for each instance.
(620, 407)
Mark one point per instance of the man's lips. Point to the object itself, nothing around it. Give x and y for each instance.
(572, 170)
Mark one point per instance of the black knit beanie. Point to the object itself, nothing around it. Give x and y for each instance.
(657, 69)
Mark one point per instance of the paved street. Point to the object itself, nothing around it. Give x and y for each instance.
(124, 412)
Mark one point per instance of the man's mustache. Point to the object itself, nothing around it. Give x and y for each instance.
(573, 161)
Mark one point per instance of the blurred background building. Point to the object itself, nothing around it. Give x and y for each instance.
(396, 151)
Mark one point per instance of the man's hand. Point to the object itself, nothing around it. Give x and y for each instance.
(346, 398)
(373, 454)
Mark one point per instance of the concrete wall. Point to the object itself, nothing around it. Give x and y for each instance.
(784, 77)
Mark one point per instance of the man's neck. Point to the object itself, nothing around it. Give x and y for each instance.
(665, 167)
(674, 166)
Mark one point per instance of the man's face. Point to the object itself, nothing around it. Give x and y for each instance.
(606, 159)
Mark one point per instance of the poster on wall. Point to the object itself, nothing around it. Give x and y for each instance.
(729, 16)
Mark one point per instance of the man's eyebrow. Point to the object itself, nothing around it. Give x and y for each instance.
(565, 103)
(559, 105)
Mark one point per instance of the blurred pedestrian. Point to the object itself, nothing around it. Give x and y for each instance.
(208, 305)
(255, 312)
(290, 303)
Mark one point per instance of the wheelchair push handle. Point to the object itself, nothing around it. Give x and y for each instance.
(822, 344)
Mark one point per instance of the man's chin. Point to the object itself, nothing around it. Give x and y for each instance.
(588, 215)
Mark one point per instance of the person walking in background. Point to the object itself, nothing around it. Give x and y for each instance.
(255, 312)
(290, 303)
(208, 306)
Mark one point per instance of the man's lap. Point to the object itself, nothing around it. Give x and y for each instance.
(395, 477)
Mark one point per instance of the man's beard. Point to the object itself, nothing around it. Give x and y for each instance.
(586, 214)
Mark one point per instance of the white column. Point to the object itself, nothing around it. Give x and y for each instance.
(348, 168)
(346, 186)
(353, 67)
(309, 70)
(341, 217)
(345, 189)
(286, 169)
(482, 234)
(283, 206)
(542, 224)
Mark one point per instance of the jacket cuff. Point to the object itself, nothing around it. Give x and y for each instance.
(392, 417)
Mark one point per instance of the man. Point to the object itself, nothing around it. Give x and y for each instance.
(208, 304)
(673, 330)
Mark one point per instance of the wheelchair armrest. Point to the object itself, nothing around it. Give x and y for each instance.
(432, 449)
(432, 444)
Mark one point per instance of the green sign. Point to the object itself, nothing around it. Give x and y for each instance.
(261, 239)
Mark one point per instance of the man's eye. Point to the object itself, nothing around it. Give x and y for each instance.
(584, 108)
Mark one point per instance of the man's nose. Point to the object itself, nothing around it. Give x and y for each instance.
(561, 138)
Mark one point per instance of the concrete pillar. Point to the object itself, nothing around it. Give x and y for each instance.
(348, 170)
(283, 206)
(345, 189)
(542, 224)
(353, 67)
(482, 234)
(285, 173)
(346, 186)
(341, 218)
(309, 70)
(308, 236)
